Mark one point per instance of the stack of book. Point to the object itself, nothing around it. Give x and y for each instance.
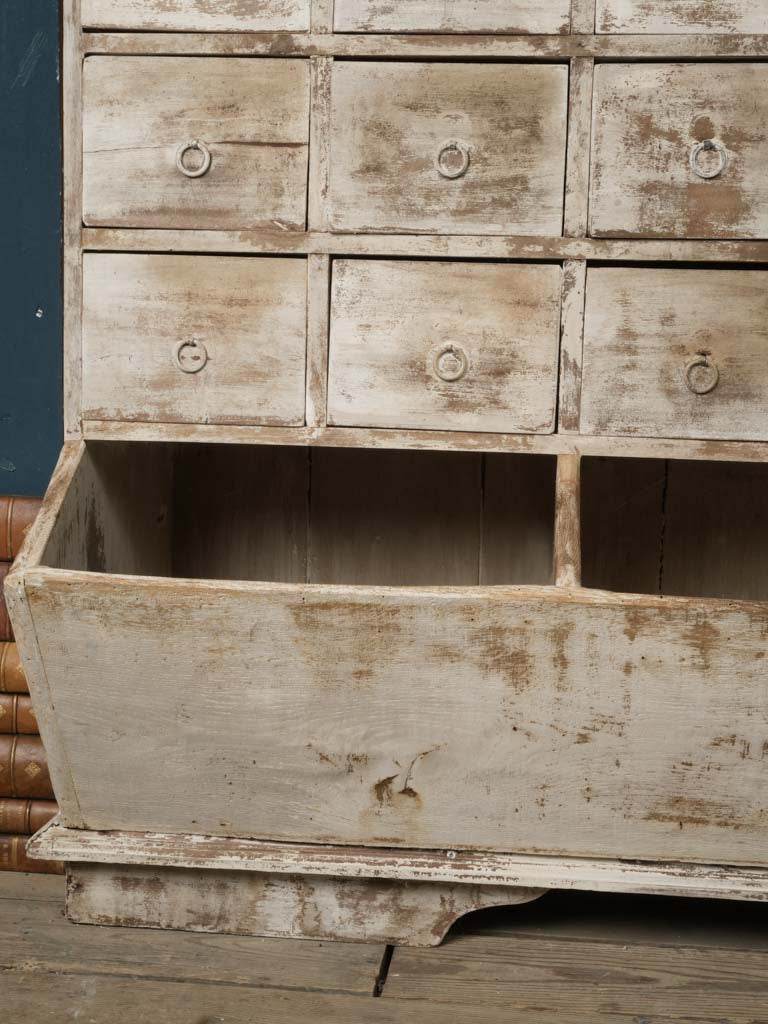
(26, 795)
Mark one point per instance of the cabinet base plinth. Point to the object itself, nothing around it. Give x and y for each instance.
(277, 905)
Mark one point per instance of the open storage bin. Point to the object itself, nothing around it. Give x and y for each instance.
(365, 647)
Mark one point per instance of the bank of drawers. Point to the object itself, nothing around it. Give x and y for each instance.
(449, 148)
(510, 17)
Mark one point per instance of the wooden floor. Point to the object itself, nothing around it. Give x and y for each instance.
(569, 959)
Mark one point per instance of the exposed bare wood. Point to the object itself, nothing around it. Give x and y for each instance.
(246, 121)
(479, 149)
(318, 324)
(432, 440)
(579, 139)
(322, 15)
(571, 345)
(319, 150)
(72, 166)
(568, 522)
(460, 346)
(437, 246)
(583, 17)
(195, 338)
(209, 853)
(198, 15)
(682, 16)
(234, 903)
(510, 17)
(692, 167)
(533, 48)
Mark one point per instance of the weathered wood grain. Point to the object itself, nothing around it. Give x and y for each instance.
(198, 15)
(252, 115)
(571, 345)
(579, 141)
(684, 16)
(592, 977)
(329, 747)
(283, 906)
(244, 320)
(446, 346)
(511, 17)
(643, 330)
(318, 326)
(642, 180)
(567, 546)
(72, 213)
(391, 121)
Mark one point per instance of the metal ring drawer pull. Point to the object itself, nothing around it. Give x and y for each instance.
(453, 159)
(189, 147)
(190, 356)
(450, 363)
(709, 146)
(701, 375)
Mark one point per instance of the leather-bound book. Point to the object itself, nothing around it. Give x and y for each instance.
(24, 768)
(6, 630)
(17, 714)
(25, 817)
(16, 517)
(12, 678)
(13, 857)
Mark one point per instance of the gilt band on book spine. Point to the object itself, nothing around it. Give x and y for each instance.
(25, 817)
(13, 857)
(17, 714)
(12, 678)
(16, 516)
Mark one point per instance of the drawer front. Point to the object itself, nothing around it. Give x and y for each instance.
(444, 346)
(198, 15)
(676, 353)
(454, 148)
(176, 142)
(682, 16)
(690, 167)
(194, 339)
(509, 16)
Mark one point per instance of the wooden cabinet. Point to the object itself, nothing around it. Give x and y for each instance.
(195, 142)
(507, 16)
(676, 353)
(690, 167)
(454, 148)
(446, 346)
(198, 15)
(407, 552)
(682, 16)
(194, 339)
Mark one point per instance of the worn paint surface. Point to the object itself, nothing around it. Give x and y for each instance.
(682, 16)
(393, 322)
(252, 115)
(286, 906)
(509, 16)
(642, 180)
(198, 15)
(389, 122)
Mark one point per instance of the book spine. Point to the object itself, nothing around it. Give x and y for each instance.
(25, 817)
(16, 517)
(13, 857)
(17, 714)
(24, 768)
(12, 678)
(6, 629)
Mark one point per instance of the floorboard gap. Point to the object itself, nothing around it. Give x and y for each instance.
(381, 977)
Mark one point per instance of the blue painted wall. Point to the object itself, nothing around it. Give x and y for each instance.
(30, 245)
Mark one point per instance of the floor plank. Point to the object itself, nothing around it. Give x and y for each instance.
(657, 963)
(16, 885)
(97, 999)
(35, 936)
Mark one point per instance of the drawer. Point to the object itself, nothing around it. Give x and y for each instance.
(454, 148)
(444, 346)
(511, 17)
(690, 167)
(177, 142)
(198, 15)
(194, 339)
(392, 701)
(676, 353)
(682, 16)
